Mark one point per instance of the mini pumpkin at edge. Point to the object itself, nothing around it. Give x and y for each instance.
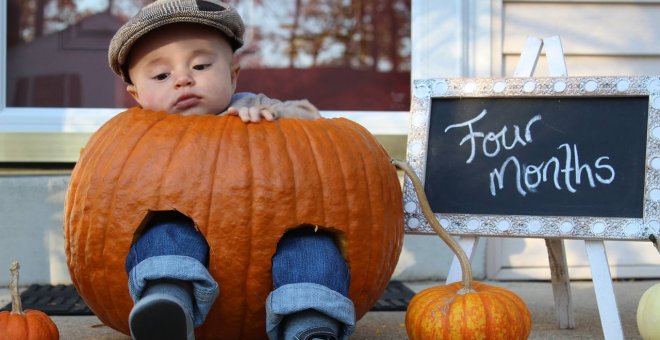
(244, 186)
(465, 309)
(648, 313)
(19, 324)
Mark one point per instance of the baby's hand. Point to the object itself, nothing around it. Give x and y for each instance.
(253, 113)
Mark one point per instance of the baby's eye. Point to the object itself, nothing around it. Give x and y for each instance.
(161, 76)
(201, 67)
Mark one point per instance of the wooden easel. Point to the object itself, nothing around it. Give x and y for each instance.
(600, 272)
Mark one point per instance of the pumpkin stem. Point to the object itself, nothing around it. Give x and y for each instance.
(466, 269)
(16, 307)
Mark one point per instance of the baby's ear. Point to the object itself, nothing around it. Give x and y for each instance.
(132, 90)
(235, 70)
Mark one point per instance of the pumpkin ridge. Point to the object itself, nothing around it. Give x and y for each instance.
(389, 190)
(293, 150)
(252, 174)
(488, 316)
(214, 266)
(290, 162)
(328, 132)
(79, 176)
(69, 233)
(170, 155)
(412, 315)
(297, 210)
(358, 279)
(114, 312)
(105, 164)
(369, 216)
(495, 293)
(209, 232)
(447, 313)
(389, 235)
(263, 158)
(26, 326)
(521, 311)
(258, 134)
(215, 224)
(449, 306)
(52, 328)
(463, 301)
(340, 132)
(315, 155)
(346, 177)
(216, 155)
(186, 151)
(40, 323)
(73, 186)
(376, 215)
(444, 312)
(397, 235)
(514, 329)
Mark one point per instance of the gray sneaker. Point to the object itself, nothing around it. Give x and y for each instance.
(317, 333)
(309, 325)
(160, 317)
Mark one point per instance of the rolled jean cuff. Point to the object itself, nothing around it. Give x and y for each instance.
(295, 297)
(178, 267)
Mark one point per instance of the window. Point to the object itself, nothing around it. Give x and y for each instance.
(342, 55)
(348, 57)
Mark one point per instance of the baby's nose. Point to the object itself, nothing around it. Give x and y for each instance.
(184, 79)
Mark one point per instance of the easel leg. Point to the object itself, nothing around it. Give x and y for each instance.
(467, 243)
(600, 273)
(561, 286)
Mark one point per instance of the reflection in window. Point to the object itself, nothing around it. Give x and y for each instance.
(339, 54)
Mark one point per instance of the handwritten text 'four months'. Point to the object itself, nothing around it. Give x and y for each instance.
(567, 174)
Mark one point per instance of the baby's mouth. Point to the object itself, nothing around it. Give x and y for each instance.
(186, 101)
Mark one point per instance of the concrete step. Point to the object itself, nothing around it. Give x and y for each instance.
(391, 325)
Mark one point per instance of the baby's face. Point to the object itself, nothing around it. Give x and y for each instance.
(183, 68)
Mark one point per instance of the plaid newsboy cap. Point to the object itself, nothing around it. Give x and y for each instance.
(211, 13)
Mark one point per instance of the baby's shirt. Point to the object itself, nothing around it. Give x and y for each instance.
(282, 109)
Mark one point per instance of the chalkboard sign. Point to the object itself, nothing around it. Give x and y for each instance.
(537, 157)
(576, 156)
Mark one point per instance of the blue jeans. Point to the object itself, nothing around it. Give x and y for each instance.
(171, 248)
(308, 271)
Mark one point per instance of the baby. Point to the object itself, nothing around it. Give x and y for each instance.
(178, 56)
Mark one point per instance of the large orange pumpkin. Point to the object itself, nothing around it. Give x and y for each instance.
(244, 186)
(29, 324)
(466, 309)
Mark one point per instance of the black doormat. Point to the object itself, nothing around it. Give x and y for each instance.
(395, 298)
(53, 300)
(64, 300)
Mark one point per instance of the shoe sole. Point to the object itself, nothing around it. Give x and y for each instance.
(160, 319)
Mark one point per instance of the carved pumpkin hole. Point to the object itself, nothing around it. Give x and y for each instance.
(154, 216)
(338, 236)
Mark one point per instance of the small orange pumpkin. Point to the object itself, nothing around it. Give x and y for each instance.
(244, 186)
(19, 324)
(466, 309)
